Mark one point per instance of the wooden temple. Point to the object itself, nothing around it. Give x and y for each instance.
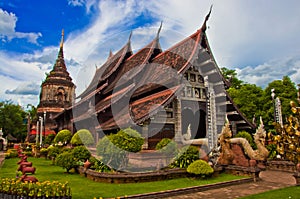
(159, 93)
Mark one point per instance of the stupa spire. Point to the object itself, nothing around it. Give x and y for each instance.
(62, 38)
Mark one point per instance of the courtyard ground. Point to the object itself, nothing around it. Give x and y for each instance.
(270, 180)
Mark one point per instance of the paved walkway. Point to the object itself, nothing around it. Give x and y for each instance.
(269, 180)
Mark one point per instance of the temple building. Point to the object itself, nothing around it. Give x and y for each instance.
(160, 93)
(57, 94)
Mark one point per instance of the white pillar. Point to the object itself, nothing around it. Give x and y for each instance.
(41, 131)
(37, 133)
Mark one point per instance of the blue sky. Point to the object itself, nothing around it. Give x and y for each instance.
(260, 39)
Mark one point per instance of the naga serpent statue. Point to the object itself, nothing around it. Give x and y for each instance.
(259, 138)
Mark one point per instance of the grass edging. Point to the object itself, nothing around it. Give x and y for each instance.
(188, 190)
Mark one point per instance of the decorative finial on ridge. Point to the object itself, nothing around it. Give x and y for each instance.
(129, 38)
(158, 32)
(204, 27)
(62, 38)
(110, 53)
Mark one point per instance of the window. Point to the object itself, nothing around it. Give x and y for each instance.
(192, 77)
(200, 79)
(189, 92)
(197, 93)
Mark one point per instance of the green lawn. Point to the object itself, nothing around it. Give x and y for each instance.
(83, 188)
(285, 193)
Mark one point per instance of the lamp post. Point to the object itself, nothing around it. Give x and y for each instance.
(273, 100)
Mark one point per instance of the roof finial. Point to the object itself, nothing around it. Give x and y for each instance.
(110, 53)
(203, 28)
(159, 29)
(62, 38)
(130, 36)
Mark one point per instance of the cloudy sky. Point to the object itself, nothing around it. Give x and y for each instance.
(260, 39)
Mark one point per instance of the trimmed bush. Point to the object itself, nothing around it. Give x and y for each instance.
(111, 155)
(82, 137)
(248, 137)
(128, 139)
(53, 151)
(186, 156)
(66, 160)
(44, 152)
(63, 137)
(81, 153)
(49, 139)
(166, 146)
(200, 168)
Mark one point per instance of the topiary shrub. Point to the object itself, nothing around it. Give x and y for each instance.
(82, 137)
(81, 153)
(44, 152)
(166, 146)
(248, 137)
(53, 151)
(111, 155)
(63, 137)
(66, 160)
(128, 139)
(49, 139)
(200, 168)
(186, 156)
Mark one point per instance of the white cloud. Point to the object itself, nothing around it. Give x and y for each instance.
(8, 32)
(272, 70)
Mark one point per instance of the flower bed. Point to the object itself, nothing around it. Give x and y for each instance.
(12, 188)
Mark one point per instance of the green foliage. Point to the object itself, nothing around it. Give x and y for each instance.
(166, 146)
(111, 155)
(49, 139)
(248, 98)
(248, 137)
(63, 137)
(82, 137)
(231, 76)
(128, 139)
(12, 120)
(201, 168)
(53, 151)
(66, 160)
(81, 153)
(186, 156)
(286, 90)
(98, 165)
(272, 151)
(11, 153)
(44, 152)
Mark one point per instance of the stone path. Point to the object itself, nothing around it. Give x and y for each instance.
(269, 180)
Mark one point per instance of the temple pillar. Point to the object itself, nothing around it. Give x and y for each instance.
(145, 135)
(177, 116)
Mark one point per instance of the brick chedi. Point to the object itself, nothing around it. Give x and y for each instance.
(57, 91)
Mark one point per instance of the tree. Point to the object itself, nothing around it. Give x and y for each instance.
(12, 120)
(248, 99)
(231, 76)
(286, 90)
